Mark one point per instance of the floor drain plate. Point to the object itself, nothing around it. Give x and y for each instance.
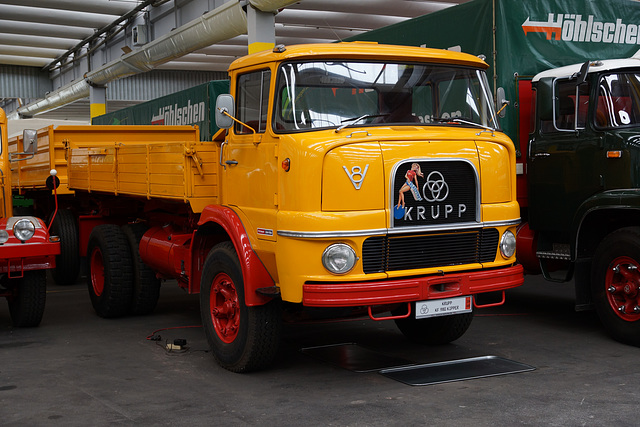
(455, 370)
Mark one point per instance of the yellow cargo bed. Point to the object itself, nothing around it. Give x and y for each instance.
(167, 162)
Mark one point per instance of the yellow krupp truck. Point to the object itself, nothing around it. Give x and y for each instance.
(351, 177)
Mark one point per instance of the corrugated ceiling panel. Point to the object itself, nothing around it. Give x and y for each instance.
(23, 82)
(156, 83)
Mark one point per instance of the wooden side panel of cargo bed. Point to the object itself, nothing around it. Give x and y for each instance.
(32, 173)
(176, 171)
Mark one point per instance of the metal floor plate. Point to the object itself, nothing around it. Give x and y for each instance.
(455, 370)
(354, 358)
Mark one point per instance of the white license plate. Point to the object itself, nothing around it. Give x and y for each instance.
(443, 307)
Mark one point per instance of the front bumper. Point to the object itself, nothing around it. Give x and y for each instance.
(16, 258)
(411, 289)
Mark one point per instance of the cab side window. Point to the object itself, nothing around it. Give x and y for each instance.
(253, 101)
(566, 108)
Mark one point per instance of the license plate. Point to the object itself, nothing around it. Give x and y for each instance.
(443, 307)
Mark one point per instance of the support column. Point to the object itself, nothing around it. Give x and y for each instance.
(97, 100)
(261, 29)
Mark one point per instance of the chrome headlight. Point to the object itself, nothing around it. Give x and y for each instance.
(339, 258)
(4, 236)
(24, 229)
(508, 244)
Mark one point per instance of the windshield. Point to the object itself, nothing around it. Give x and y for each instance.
(618, 100)
(333, 94)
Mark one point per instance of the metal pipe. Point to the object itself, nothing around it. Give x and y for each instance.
(222, 23)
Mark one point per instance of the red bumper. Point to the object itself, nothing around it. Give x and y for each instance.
(413, 289)
(15, 258)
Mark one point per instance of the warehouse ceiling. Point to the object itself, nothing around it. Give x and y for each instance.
(39, 33)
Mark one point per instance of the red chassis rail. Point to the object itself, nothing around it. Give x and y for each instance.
(412, 289)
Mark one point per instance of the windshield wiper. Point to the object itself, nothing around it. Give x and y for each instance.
(462, 121)
(354, 120)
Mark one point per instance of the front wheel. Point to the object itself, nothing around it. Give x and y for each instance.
(26, 306)
(241, 338)
(616, 284)
(434, 330)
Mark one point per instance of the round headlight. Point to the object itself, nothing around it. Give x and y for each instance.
(24, 229)
(4, 236)
(508, 244)
(339, 258)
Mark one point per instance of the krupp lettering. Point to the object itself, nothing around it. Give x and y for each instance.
(434, 212)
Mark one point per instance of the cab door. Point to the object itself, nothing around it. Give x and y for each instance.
(249, 165)
(564, 160)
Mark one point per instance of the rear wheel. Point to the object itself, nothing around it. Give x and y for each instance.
(110, 275)
(68, 262)
(146, 286)
(434, 330)
(241, 338)
(616, 284)
(26, 306)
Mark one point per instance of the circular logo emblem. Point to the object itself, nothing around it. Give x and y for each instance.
(436, 187)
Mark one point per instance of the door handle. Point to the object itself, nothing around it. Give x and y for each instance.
(541, 155)
(231, 162)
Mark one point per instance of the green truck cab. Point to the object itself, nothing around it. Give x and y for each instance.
(583, 168)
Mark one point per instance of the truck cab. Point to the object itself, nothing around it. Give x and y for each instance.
(26, 248)
(583, 185)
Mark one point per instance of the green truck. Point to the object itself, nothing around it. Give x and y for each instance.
(574, 112)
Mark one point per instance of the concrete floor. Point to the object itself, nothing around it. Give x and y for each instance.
(77, 369)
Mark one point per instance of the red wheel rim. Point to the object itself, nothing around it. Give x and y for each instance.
(97, 272)
(225, 308)
(623, 288)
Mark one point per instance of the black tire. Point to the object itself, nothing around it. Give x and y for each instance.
(434, 330)
(146, 286)
(244, 338)
(109, 275)
(68, 262)
(26, 306)
(616, 284)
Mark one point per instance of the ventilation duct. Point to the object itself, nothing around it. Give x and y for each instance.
(222, 23)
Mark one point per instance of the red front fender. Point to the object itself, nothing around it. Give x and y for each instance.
(254, 273)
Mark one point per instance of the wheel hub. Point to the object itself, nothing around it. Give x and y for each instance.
(225, 308)
(623, 286)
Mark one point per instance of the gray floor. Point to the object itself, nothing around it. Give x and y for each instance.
(77, 370)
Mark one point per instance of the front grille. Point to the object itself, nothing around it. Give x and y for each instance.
(440, 192)
(410, 252)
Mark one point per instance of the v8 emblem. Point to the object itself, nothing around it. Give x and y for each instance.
(356, 175)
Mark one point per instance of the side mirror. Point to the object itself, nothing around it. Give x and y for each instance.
(29, 146)
(29, 141)
(502, 101)
(225, 104)
(582, 74)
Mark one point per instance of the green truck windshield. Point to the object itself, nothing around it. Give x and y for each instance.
(618, 100)
(331, 94)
